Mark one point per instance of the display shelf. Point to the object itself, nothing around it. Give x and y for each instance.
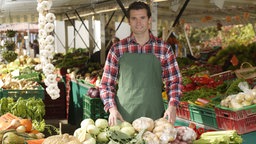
(248, 138)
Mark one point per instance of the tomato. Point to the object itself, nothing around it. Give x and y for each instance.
(199, 131)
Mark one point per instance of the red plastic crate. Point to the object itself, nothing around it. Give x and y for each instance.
(183, 111)
(243, 120)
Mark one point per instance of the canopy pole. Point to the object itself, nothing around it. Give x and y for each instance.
(122, 7)
(178, 17)
(76, 29)
(91, 36)
(110, 19)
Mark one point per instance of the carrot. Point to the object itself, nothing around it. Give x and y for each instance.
(35, 141)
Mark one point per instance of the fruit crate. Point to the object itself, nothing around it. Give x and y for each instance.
(15, 94)
(93, 108)
(182, 110)
(242, 120)
(203, 115)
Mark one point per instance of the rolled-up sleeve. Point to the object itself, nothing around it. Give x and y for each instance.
(172, 78)
(108, 81)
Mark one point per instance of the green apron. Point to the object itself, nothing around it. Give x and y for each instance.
(139, 87)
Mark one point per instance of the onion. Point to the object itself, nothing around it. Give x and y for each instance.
(92, 129)
(129, 130)
(89, 92)
(40, 135)
(21, 129)
(94, 92)
(102, 137)
(90, 141)
(86, 122)
(114, 127)
(15, 123)
(125, 124)
(101, 123)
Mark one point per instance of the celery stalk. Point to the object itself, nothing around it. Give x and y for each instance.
(222, 137)
(206, 141)
(214, 133)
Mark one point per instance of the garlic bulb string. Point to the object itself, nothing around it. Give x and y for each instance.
(46, 47)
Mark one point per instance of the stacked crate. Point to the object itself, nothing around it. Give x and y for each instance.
(242, 120)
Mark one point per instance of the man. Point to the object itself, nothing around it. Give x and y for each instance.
(140, 63)
(35, 47)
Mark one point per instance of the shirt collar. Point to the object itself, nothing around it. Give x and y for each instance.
(152, 38)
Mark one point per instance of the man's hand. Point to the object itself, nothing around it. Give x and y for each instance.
(114, 115)
(170, 114)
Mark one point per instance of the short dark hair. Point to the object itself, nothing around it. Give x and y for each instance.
(137, 5)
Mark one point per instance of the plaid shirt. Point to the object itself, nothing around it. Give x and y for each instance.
(170, 70)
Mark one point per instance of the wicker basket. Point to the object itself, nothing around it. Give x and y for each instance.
(246, 71)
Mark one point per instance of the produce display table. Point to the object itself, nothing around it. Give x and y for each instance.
(248, 138)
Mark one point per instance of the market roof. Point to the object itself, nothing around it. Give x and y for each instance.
(12, 11)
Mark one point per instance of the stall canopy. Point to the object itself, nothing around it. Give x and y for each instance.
(12, 11)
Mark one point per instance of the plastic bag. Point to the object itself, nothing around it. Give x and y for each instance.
(250, 94)
(244, 86)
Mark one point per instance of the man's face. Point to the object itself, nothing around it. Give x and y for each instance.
(139, 21)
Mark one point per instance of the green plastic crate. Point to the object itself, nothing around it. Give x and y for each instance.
(94, 108)
(15, 94)
(78, 90)
(205, 116)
